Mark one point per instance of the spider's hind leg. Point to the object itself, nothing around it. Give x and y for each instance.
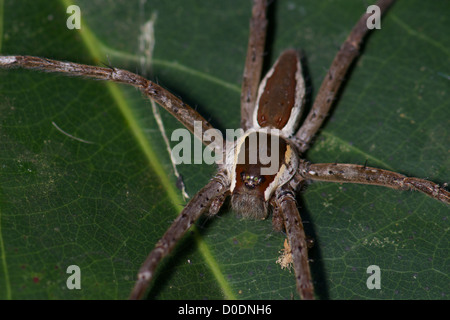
(253, 62)
(332, 83)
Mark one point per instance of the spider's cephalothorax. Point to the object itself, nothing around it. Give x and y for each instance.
(263, 162)
(262, 159)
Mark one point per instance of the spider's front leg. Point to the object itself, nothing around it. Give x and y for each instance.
(286, 207)
(210, 198)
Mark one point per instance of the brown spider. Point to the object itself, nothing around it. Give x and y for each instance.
(282, 196)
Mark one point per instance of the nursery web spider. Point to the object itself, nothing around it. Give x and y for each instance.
(282, 196)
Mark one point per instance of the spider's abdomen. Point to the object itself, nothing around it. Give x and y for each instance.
(281, 95)
(263, 162)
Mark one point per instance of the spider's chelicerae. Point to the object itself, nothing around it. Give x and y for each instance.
(277, 105)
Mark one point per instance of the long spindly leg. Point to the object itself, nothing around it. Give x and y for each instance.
(287, 207)
(253, 62)
(210, 198)
(348, 52)
(352, 173)
(181, 111)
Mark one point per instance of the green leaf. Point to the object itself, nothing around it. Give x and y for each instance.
(103, 205)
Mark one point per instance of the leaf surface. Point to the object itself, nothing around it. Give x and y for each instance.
(103, 202)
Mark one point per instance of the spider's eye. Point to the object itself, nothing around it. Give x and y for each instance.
(251, 180)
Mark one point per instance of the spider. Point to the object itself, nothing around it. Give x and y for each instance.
(305, 292)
